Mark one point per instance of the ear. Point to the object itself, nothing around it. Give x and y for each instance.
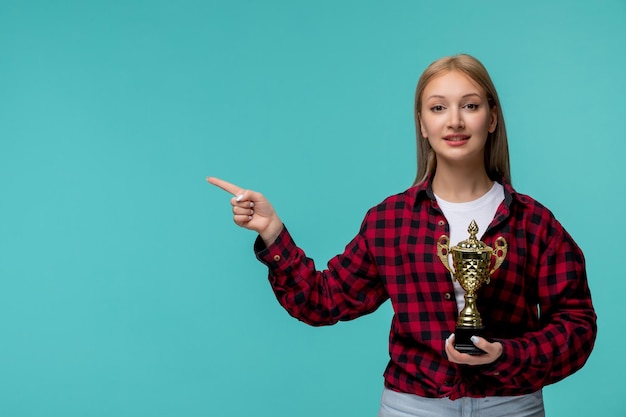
(424, 133)
(493, 121)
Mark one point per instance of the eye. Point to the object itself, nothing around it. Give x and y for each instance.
(437, 108)
(471, 106)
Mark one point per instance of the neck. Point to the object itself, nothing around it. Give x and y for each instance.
(461, 184)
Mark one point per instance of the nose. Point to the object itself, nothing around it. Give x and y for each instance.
(455, 120)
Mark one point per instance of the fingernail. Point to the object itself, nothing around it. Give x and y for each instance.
(251, 204)
(474, 339)
(239, 198)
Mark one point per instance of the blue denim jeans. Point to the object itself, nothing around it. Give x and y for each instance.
(396, 404)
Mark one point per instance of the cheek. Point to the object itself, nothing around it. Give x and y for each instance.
(482, 124)
(430, 125)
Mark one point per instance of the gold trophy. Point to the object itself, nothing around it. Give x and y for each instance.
(472, 260)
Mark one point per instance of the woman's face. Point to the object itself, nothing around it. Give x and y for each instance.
(455, 118)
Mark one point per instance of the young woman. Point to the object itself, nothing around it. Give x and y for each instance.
(537, 310)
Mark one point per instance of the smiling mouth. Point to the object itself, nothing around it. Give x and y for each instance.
(456, 138)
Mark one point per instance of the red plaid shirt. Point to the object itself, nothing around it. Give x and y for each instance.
(538, 303)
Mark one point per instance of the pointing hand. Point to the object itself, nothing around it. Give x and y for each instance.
(251, 210)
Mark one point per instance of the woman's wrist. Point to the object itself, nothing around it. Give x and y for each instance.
(272, 231)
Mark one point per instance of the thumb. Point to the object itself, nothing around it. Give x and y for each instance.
(484, 344)
(479, 342)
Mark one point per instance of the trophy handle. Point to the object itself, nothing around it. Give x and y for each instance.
(499, 251)
(443, 249)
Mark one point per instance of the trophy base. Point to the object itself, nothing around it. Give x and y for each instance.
(463, 343)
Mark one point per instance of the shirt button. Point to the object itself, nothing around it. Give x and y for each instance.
(447, 296)
(441, 223)
(277, 258)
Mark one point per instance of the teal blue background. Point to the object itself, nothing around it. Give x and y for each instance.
(125, 288)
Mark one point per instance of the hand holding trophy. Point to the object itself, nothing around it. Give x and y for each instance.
(472, 261)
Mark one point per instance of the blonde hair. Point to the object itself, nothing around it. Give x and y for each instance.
(496, 149)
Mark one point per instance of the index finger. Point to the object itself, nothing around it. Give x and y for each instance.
(225, 185)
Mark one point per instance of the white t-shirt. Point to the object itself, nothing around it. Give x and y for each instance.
(460, 215)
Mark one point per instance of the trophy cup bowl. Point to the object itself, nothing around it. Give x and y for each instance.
(472, 267)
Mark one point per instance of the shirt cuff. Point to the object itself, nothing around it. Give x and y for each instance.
(506, 365)
(276, 255)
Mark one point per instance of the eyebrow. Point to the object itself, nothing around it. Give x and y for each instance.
(465, 96)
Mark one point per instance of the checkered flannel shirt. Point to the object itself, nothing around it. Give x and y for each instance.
(538, 303)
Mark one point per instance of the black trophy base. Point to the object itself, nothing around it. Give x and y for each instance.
(463, 343)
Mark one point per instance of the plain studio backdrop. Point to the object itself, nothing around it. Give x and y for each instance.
(125, 287)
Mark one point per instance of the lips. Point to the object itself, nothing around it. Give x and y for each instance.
(456, 138)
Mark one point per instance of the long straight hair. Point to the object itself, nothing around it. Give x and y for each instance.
(496, 148)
